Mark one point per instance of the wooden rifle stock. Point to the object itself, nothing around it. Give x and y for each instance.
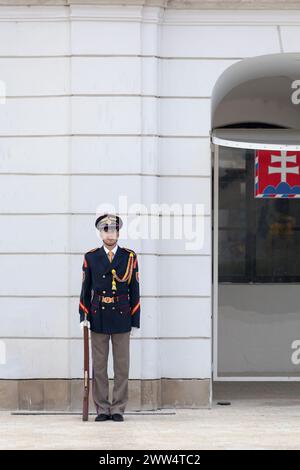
(86, 368)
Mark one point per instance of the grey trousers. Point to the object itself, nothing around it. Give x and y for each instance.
(100, 383)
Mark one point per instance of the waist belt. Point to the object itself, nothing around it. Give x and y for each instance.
(114, 299)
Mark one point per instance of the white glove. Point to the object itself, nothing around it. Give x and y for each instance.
(134, 331)
(82, 325)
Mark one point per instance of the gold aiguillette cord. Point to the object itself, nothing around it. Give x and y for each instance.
(127, 276)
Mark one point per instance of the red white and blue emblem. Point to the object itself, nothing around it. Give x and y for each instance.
(277, 174)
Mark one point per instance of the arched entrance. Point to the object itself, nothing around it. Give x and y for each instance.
(256, 220)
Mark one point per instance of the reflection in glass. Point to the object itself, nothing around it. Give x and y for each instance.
(258, 238)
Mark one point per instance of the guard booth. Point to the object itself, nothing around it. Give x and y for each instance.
(256, 220)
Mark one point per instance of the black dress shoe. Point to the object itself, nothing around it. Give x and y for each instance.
(117, 417)
(102, 417)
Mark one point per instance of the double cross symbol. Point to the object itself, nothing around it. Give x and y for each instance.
(283, 169)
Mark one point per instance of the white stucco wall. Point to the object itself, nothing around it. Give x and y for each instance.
(103, 101)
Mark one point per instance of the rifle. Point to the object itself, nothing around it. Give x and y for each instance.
(86, 367)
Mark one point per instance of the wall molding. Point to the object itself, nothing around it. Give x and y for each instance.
(72, 12)
(168, 4)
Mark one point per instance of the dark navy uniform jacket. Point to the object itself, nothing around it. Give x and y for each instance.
(116, 316)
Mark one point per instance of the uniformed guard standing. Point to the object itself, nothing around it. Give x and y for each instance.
(110, 297)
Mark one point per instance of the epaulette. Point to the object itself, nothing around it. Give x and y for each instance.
(85, 254)
(128, 249)
(93, 249)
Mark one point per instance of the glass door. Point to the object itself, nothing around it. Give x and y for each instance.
(256, 275)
